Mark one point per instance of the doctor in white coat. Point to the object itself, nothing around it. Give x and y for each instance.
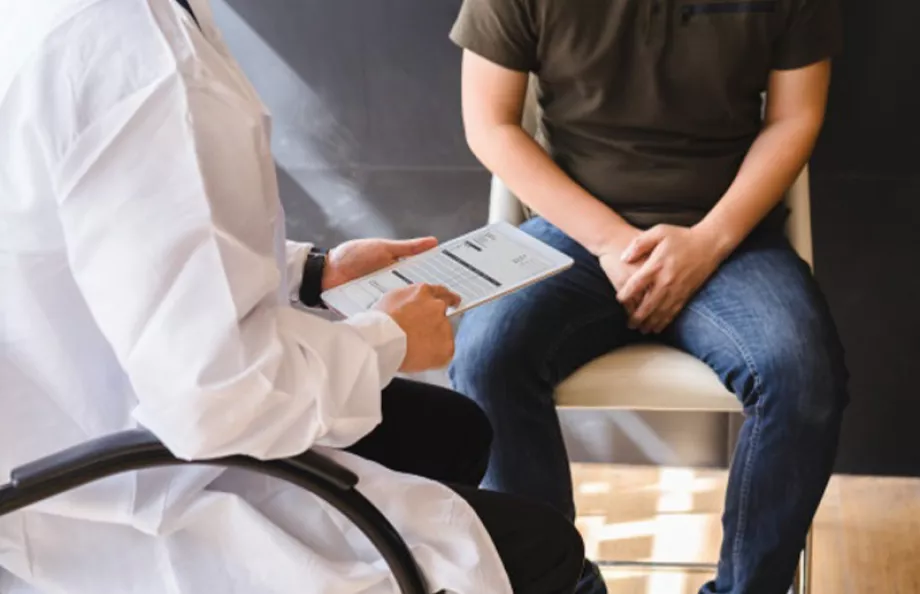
(145, 279)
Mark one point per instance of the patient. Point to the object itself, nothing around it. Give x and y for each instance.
(658, 175)
(146, 280)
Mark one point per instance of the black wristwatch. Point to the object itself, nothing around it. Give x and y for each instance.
(311, 286)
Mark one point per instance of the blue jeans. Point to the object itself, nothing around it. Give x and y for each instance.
(760, 322)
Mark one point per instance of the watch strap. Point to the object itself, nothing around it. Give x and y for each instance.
(311, 285)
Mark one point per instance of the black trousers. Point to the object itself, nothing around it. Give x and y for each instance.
(438, 434)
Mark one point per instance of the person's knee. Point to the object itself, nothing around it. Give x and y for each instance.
(480, 434)
(574, 563)
(806, 377)
(470, 428)
(570, 550)
(557, 555)
(542, 551)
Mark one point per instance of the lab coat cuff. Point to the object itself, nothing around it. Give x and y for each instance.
(296, 253)
(386, 337)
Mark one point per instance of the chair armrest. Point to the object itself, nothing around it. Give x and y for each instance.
(115, 453)
(503, 205)
(319, 465)
(104, 450)
(798, 225)
(137, 449)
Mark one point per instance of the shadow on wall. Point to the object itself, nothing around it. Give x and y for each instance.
(366, 105)
(310, 223)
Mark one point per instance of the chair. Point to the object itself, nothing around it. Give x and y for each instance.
(138, 449)
(654, 377)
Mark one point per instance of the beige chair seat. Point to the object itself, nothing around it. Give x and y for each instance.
(647, 377)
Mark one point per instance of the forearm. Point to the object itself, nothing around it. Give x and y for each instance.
(510, 153)
(771, 166)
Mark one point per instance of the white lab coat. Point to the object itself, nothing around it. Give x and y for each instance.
(144, 278)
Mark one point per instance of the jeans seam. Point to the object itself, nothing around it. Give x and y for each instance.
(746, 473)
(712, 318)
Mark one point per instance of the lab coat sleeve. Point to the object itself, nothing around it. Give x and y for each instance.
(296, 253)
(169, 228)
(377, 329)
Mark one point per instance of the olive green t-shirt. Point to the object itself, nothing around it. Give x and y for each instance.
(650, 105)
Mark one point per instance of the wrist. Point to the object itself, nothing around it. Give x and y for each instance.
(614, 240)
(330, 279)
(332, 275)
(717, 236)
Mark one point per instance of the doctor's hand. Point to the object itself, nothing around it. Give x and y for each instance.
(360, 257)
(677, 261)
(421, 311)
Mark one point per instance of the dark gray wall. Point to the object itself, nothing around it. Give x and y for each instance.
(366, 99)
(368, 139)
(866, 200)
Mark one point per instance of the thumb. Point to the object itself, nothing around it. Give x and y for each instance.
(642, 245)
(410, 247)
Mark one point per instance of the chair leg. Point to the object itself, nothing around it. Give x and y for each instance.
(660, 565)
(803, 577)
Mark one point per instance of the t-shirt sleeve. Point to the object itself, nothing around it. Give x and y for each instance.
(501, 31)
(814, 33)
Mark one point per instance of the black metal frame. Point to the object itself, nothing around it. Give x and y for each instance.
(138, 449)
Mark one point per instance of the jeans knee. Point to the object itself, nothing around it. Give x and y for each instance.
(809, 386)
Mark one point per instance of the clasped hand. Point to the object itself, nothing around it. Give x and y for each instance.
(658, 272)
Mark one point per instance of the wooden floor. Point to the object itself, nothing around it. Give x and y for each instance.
(867, 532)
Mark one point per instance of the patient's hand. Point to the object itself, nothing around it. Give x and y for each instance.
(619, 271)
(421, 311)
(360, 257)
(675, 262)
